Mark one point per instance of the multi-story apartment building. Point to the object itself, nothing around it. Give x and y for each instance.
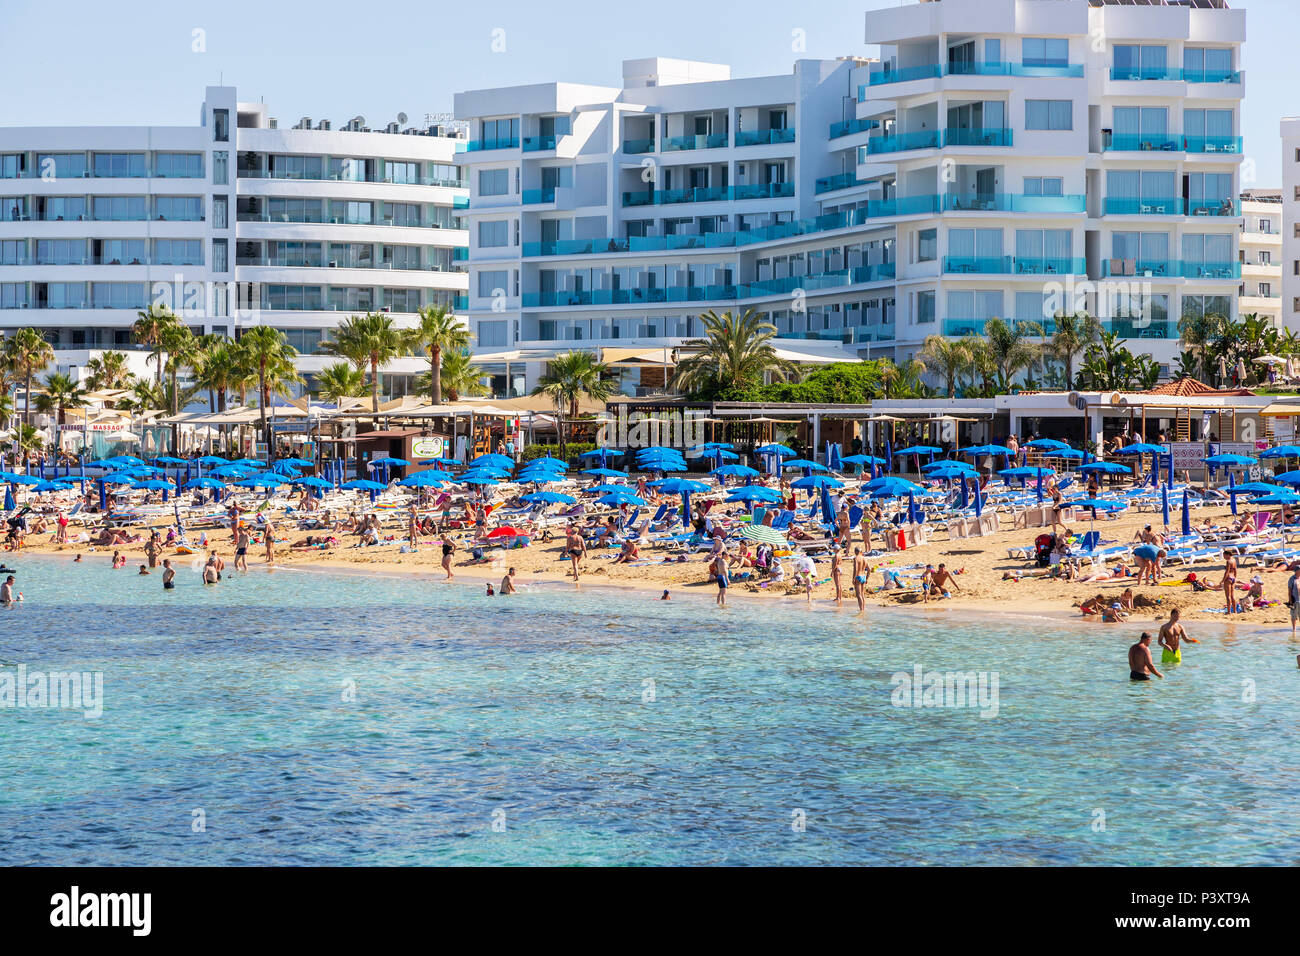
(1006, 158)
(1261, 255)
(1291, 222)
(233, 222)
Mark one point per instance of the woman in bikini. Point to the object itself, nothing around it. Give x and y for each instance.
(448, 547)
(1229, 583)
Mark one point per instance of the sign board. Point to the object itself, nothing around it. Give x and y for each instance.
(1283, 430)
(427, 448)
(1187, 456)
(294, 426)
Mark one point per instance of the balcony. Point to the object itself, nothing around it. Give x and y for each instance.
(925, 139)
(1228, 208)
(829, 184)
(849, 336)
(764, 137)
(926, 71)
(1212, 144)
(532, 197)
(849, 127)
(1146, 73)
(672, 144)
(1143, 207)
(1014, 202)
(537, 144)
(499, 142)
(668, 197)
(1209, 270)
(635, 147)
(988, 136)
(1140, 328)
(1134, 143)
(991, 68)
(1013, 265)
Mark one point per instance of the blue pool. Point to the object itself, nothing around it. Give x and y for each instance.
(310, 718)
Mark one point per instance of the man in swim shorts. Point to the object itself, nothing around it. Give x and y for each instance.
(720, 570)
(1140, 665)
(7, 591)
(241, 548)
(169, 575)
(1171, 637)
(942, 579)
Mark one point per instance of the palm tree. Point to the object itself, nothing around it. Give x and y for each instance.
(571, 376)
(272, 356)
(368, 341)
(27, 353)
(459, 375)
(179, 344)
(108, 370)
(149, 329)
(59, 393)
(736, 351)
(1201, 334)
(439, 330)
(339, 380)
(6, 410)
(948, 357)
(981, 364)
(1010, 348)
(901, 381)
(1074, 334)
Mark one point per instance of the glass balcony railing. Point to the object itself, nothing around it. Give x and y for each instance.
(460, 254)
(987, 136)
(1013, 202)
(925, 71)
(1145, 73)
(1214, 207)
(672, 144)
(637, 146)
(958, 327)
(849, 336)
(1136, 143)
(901, 142)
(1115, 206)
(842, 181)
(668, 197)
(849, 127)
(1140, 268)
(1013, 265)
(764, 137)
(1209, 270)
(1212, 144)
(1140, 328)
(536, 144)
(499, 142)
(1202, 75)
(534, 196)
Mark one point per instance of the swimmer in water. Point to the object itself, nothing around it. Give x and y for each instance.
(169, 575)
(7, 592)
(508, 582)
(1140, 665)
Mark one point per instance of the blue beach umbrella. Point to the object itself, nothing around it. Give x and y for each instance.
(1278, 498)
(474, 480)
(1164, 505)
(605, 473)
(1106, 468)
(818, 481)
(311, 481)
(1187, 514)
(621, 499)
(445, 462)
(211, 460)
(1232, 492)
(774, 449)
(389, 461)
(502, 461)
(421, 479)
(210, 483)
(736, 471)
(265, 480)
(10, 504)
(828, 514)
(45, 486)
(979, 500)
(549, 498)
(890, 486)
(1231, 461)
(1046, 444)
(752, 493)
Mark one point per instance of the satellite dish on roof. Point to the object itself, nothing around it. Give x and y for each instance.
(401, 117)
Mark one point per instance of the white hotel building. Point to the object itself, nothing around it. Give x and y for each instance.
(999, 152)
(1261, 255)
(295, 228)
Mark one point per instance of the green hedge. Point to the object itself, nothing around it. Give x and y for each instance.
(541, 451)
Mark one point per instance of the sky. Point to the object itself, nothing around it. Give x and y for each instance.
(146, 62)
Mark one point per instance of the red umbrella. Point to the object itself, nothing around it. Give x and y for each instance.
(505, 531)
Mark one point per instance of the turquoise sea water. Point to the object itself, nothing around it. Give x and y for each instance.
(532, 711)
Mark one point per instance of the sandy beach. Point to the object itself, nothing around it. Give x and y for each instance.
(980, 564)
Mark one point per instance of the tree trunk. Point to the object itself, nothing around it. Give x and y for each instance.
(374, 391)
(261, 392)
(175, 409)
(27, 397)
(435, 374)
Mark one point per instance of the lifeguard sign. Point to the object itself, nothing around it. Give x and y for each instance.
(427, 448)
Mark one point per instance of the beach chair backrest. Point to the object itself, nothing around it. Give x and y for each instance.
(1261, 520)
(782, 520)
(757, 517)
(1089, 541)
(855, 516)
(631, 521)
(659, 515)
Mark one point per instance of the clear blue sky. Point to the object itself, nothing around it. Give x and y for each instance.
(79, 62)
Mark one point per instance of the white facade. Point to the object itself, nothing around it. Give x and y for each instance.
(232, 223)
(1261, 254)
(1291, 222)
(1005, 157)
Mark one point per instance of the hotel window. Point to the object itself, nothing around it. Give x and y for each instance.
(491, 334)
(14, 208)
(220, 256)
(501, 134)
(119, 165)
(1049, 114)
(178, 165)
(60, 208)
(294, 298)
(13, 295)
(293, 210)
(494, 235)
(117, 295)
(178, 252)
(401, 214)
(1045, 51)
(1265, 290)
(490, 281)
(294, 167)
(60, 252)
(493, 182)
(220, 212)
(61, 165)
(13, 252)
(400, 257)
(777, 119)
(1206, 64)
(119, 208)
(13, 165)
(178, 208)
(924, 308)
(1133, 62)
(1265, 258)
(120, 252)
(400, 172)
(220, 167)
(402, 300)
(1044, 186)
(221, 126)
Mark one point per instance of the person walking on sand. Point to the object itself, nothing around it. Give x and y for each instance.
(575, 547)
(241, 548)
(1140, 665)
(268, 538)
(835, 577)
(448, 548)
(1171, 637)
(720, 569)
(1293, 596)
(861, 571)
